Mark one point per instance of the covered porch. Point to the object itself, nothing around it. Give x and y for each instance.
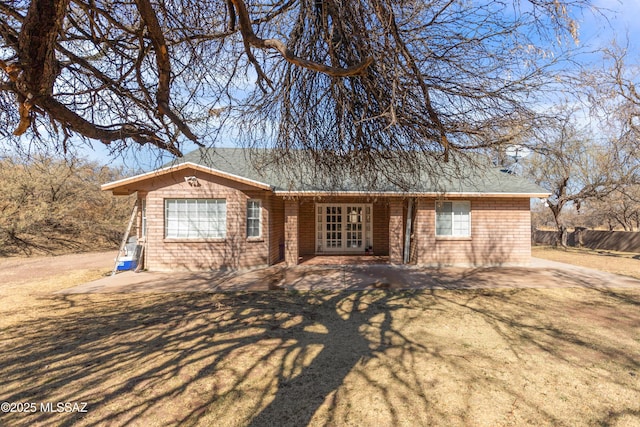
(344, 230)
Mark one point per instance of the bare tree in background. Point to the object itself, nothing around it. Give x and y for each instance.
(51, 204)
(619, 210)
(357, 78)
(613, 94)
(575, 168)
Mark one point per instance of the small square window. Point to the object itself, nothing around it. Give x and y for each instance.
(453, 219)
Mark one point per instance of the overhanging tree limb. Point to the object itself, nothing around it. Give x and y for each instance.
(36, 55)
(251, 39)
(388, 16)
(164, 66)
(356, 78)
(77, 123)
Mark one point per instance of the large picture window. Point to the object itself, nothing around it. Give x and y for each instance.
(453, 219)
(253, 218)
(195, 218)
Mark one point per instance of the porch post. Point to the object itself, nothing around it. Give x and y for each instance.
(291, 247)
(395, 231)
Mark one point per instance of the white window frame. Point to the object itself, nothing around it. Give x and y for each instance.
(456, 207)
(195, 219)
(259, 218)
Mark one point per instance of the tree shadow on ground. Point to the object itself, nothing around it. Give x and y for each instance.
(292, 358)
(136, 347)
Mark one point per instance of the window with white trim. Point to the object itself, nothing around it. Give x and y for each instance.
(453, 219)
(254, 228)
(195, 218)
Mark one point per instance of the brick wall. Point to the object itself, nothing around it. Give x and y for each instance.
(235, 251)
(396, 230)
(276, 229)
(306, 227)
(500, 234)
(291, 225)
(381, 227)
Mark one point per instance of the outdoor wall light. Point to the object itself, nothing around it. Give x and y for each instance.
(192, 181)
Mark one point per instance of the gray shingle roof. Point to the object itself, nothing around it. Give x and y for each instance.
(466, 176)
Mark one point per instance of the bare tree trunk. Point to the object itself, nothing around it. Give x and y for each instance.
(563, 236)
(579, 236)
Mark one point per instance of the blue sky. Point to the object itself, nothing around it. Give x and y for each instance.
(622, 21)
(595, 32)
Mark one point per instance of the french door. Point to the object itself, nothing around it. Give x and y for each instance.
(344, 227)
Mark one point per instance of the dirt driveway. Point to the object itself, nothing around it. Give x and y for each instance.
(18, 270)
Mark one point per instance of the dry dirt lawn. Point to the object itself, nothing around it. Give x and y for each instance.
(625, 263)
(491, 357)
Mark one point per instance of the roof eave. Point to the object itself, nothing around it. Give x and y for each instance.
(122, 186)
(287, 193)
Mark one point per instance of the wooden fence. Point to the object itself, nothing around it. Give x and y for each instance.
(623, 241)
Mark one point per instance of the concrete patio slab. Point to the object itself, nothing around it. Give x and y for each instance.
(540, 274)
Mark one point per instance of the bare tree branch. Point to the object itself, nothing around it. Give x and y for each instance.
(357, 79)
(252, 40)
(164, 66)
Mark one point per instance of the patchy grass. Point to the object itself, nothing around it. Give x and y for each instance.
(624, 263)
(492, 357)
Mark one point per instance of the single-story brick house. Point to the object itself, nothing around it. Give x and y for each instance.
(215, 209)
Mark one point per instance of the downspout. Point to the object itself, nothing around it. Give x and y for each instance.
(407, 233)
